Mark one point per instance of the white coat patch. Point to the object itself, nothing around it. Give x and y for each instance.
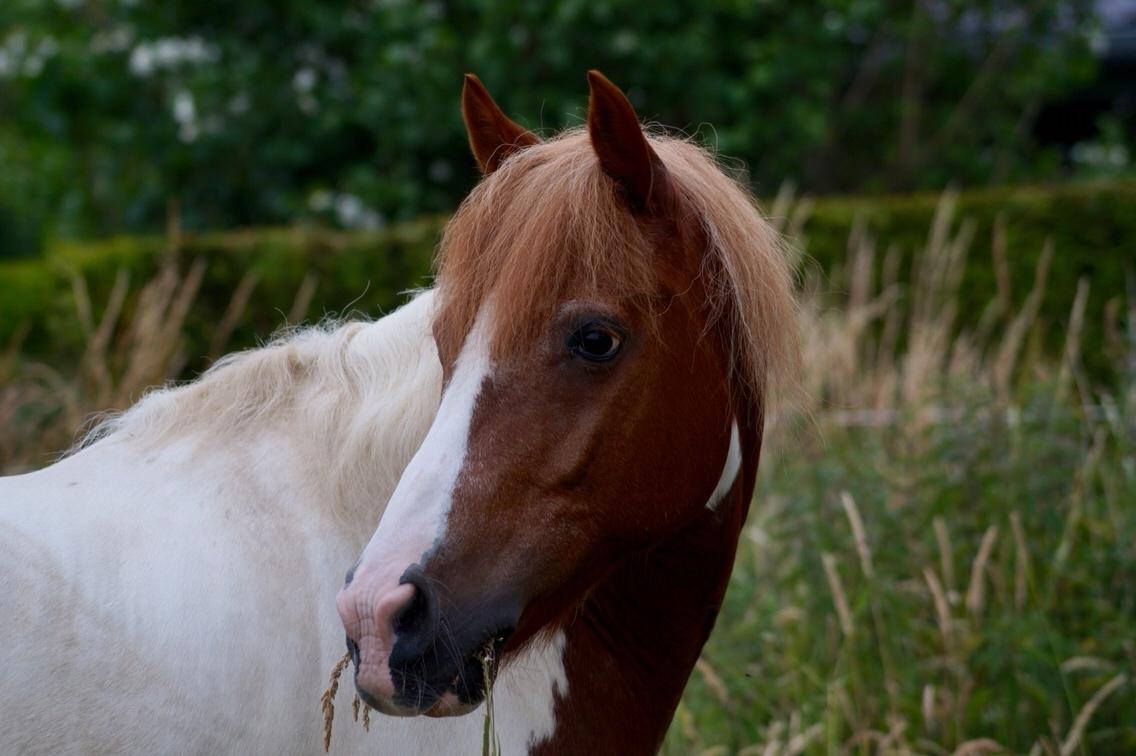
(729, 471)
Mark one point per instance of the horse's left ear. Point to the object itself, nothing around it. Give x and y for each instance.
(492, 135)
(622, 147)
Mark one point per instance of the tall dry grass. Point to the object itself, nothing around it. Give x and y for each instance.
(134, 340)
(942, 553)
(879, 339)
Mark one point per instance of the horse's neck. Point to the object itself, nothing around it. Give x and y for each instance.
(632, 647)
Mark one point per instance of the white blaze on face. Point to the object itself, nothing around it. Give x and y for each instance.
(416, 516)
(729, 471)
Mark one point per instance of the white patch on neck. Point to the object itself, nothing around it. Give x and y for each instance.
(416, 516)
(525, 695)
(729, 471)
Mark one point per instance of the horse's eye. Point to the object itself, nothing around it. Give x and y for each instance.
(595, 342)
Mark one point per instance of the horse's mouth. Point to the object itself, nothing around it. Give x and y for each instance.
(454, 690)
(472, 680)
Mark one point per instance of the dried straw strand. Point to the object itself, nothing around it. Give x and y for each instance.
(327, 700)
(490, 744)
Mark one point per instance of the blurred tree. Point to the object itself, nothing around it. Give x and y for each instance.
(262, 112)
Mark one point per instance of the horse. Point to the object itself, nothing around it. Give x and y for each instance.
(558, 446)
(613, 315)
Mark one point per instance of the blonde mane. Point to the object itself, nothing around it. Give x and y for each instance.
(243, 389)
(356, 397)
(548, 223)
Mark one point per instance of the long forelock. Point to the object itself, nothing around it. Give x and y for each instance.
(545, 223)
(548, 224)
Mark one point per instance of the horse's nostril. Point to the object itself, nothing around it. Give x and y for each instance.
(415, 616)
(353, 649)
(419, 616)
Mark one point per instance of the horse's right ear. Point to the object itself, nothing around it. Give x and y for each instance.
(623, 149)
(492, 136)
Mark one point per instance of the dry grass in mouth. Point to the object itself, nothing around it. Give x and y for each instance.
(327, 702)
(490, 743)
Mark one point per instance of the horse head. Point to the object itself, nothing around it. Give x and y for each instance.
(612, 309)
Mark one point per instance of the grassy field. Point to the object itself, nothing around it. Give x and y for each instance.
(933, 586)
(941, 556)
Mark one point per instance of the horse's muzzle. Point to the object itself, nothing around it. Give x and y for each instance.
(417, 653)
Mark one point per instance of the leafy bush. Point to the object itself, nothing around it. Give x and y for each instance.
(20, 236)
(250, 113)
(26, 290)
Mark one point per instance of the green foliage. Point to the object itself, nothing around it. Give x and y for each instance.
(19, 236)
(257, 112)
(26, 290)
(22, 206)
(940, 645)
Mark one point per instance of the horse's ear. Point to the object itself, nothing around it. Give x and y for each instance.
(622, 147)
(492, 136)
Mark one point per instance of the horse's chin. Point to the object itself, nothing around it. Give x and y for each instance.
(449, 705)
(385, 706)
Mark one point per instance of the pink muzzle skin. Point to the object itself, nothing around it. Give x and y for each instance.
(368, 613)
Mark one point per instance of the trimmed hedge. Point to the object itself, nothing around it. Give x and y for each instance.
(354, 272)
(1093, 228)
